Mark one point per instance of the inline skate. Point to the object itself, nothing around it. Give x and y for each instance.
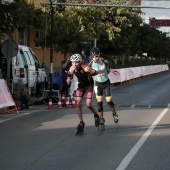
(97, 121)
(80, 128)
(116, 119)
(102, 124)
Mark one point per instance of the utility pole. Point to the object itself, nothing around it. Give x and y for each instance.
(51, 47)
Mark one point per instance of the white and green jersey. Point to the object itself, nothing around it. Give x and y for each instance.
(100, 65)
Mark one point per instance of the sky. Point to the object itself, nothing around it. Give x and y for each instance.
(157, 13)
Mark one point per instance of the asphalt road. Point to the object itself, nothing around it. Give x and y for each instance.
(43, 139)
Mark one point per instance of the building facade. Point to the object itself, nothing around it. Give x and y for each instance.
(27, 38)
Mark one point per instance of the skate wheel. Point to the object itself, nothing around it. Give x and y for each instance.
(102, 127)
(78, 133)
(115, 117)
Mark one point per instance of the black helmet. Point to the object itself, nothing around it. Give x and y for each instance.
(95, 51)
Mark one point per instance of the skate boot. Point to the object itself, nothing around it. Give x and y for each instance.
(97, 121)
(102, 124)
(116, 119)
(80, 128)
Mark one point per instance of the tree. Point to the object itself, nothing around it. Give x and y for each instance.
(19, 15)
(117, 30)
(75, 25)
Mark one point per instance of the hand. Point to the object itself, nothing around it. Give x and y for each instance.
(73, 68)
(68, 80)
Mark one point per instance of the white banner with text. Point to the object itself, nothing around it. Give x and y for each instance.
(124, 74)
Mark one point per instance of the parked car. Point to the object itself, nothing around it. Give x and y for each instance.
(26, 66)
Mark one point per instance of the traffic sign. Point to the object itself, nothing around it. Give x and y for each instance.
(9, 48)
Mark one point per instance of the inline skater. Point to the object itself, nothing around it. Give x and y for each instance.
(102, 84)
(84, 74)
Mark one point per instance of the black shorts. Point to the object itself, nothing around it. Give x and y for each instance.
(103, 87)
(85, 90)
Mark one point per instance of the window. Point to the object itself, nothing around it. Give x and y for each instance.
(29, 57)
(34, 56)
(23, 58)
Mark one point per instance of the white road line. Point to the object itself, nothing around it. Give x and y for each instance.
(132, 106)
(1, 121)
(141, 141)
(118, 105)
(20, 114)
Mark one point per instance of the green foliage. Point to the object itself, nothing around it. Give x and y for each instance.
(75, 25)
(20, 15)
(117, 30)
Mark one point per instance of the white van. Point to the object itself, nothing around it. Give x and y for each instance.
(24, 67)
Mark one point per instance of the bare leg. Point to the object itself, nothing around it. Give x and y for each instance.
(112, 107)
(79, 108)
(96, 116)
(90, 106)
(101, 114)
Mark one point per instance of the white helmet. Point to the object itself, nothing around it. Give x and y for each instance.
(76, 57)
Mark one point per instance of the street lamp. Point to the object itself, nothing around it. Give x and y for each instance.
(51, 46)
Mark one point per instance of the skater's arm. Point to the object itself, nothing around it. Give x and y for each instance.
(70, 75)
(90, 70)
(68, 80)
(106, 62)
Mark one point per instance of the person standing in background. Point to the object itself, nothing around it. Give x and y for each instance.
(66, 64)
(84, 60)
(88, 59)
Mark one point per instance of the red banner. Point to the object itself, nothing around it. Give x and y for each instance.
(5, 95)
(159, 22)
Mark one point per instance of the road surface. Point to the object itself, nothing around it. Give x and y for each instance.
(43, 139)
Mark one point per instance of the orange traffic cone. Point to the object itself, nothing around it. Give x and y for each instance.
(73, 103)
(59, 106)
(50, 104)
